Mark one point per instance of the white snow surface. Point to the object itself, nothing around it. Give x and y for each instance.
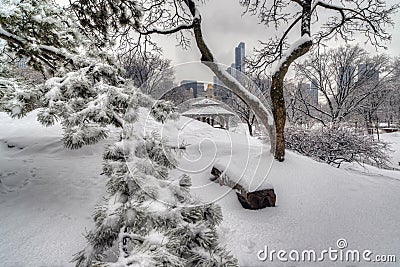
(209, 110)
(48, 193)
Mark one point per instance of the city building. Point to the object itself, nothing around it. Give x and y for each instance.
(368, 72)
(232, 70)
(314, 91)
(220, 91)
(193, 86)
(210, 93)
(198, 89)
(240, 54)
(309, 92)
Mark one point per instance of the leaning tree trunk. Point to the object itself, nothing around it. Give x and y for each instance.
(208, 59)
(278, 102)
(250, 127)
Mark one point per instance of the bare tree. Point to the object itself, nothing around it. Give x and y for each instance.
(369, 109)
(293, 101)
(166, 17)
(259, 87)
(152, 74)
(389, 110)
(244, 112)
(175, 17)
(348, 80)
(314, 22)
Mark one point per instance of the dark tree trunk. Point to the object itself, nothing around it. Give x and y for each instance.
(276, 91)
(250, 128)
(278, 100)
(279, 111)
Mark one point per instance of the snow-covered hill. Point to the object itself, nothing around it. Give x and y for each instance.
(48, 193)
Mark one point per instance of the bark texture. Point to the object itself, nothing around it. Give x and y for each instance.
(278, 101)
(276, 91)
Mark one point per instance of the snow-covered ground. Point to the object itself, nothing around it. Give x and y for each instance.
(48, 193)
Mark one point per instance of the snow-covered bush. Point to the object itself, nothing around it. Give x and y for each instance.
(335, 145)
(150, 218)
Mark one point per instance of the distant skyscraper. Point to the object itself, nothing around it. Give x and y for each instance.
(314, 91)
(196, 87)
(219, 88)
(346, 77)
(240, 54)
(232, 70)
(368, 72)
(304, 89)
(309, 92)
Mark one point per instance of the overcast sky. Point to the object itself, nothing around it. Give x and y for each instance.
(224, 27)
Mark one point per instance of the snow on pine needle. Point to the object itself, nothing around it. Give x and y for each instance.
(149, 218)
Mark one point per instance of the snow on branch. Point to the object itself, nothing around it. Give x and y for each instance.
(247, 95)
(168, 31)
(42, 32)
(297, 45)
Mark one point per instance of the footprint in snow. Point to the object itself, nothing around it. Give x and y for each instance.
(3, 188)
(249, 246)
(11, 181)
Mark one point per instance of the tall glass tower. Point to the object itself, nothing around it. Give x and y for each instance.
(314, 91)
(240, 54)
(368, 72)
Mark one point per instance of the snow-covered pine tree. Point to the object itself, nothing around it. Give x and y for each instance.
(40, 31)
(87, 96)
(87, 102)
(17, 96)
(149, 218)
